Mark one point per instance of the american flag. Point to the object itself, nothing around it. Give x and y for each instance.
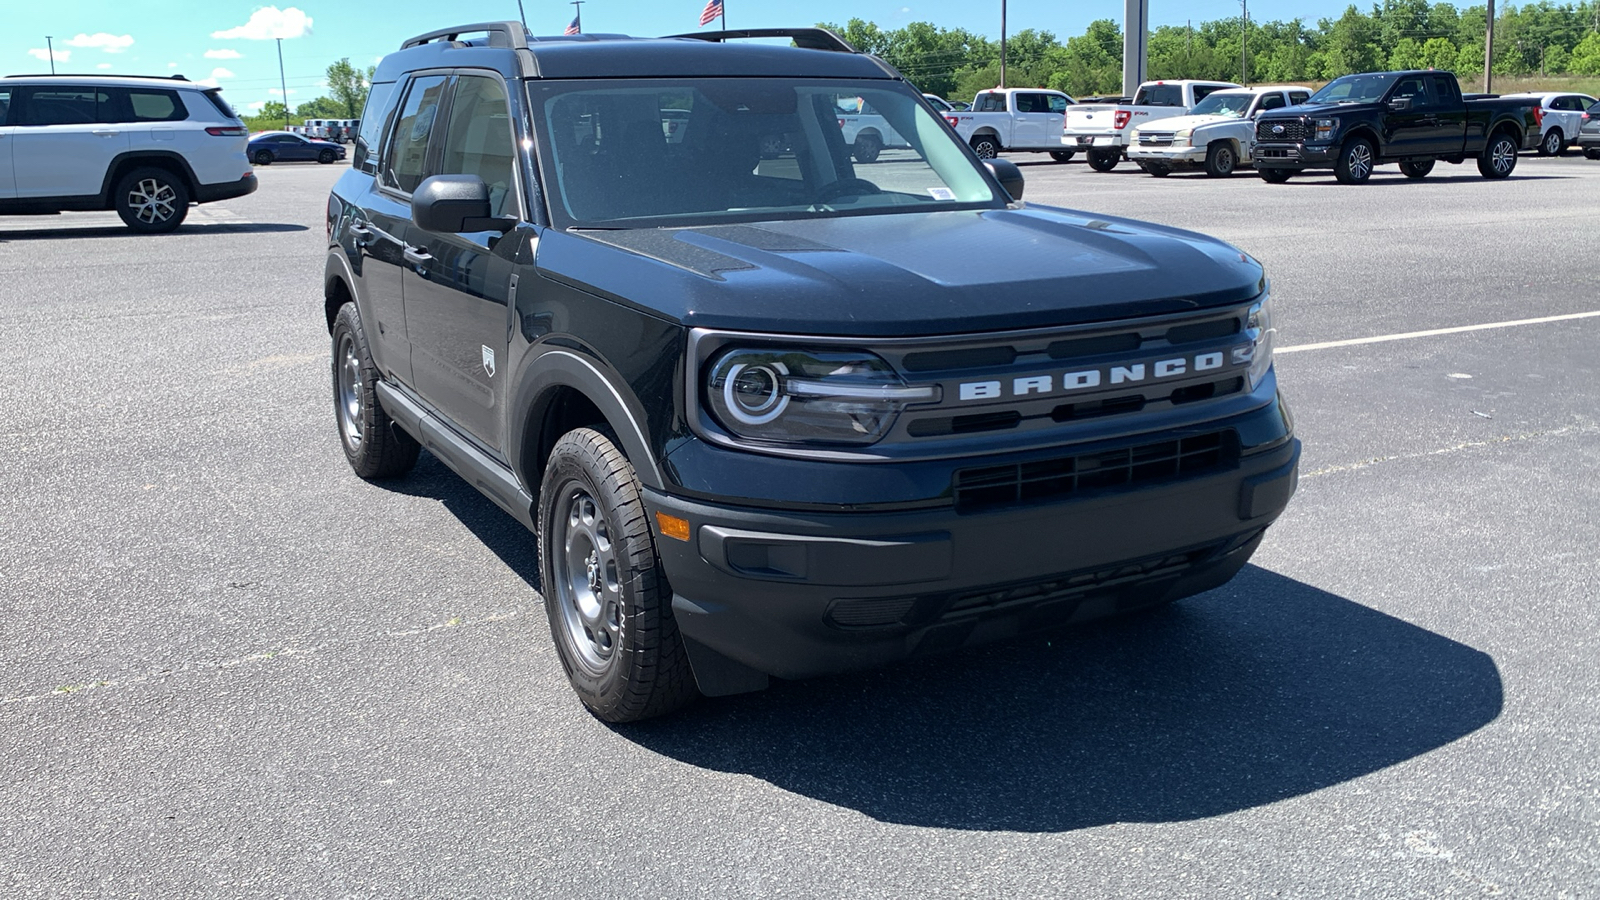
(575, 28)
(712, 11)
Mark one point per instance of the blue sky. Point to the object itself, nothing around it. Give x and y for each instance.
(231, 43)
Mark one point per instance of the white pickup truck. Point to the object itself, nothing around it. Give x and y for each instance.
(866, 132)
(1219, 133)
(1027, 119)
(1561, 115)
(1103, 129)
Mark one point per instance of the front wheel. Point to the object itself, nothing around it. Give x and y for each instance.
(1499, 157)
(1552, 145)
(608, 602)
(325, 157)
(373, 444)
(1158, 170)
(152, 201)
(1275, 176)
(1221, 160)
(1592, 154)
(986, 146)
(1355, 162)
(1104, 160)
(1419, 169)
(1063, 155)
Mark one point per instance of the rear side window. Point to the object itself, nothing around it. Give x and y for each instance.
(1299, 97)
(1161, 95)
(62, 106)
(405, 159)
(1202, 91)
(380, 105)
(1444, 90)
(215, 96)
(5, 104)
(145, 105)
(989, 103)
(1271, 101)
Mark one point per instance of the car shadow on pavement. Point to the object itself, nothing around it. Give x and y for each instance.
(1264, 689)
(48, 233)
(504, 536)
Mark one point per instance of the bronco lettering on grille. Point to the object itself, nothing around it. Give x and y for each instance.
(1025, 385)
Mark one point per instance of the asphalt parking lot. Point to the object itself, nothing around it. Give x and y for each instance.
(228, 667)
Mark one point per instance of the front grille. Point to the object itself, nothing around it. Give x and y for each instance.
(1294, 130)
(1065, 586)
(1155, 140)
(987, 487)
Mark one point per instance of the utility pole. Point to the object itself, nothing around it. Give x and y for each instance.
(51, 51)
(283, 86)
(1002, 43)
(1488, 52)
(1135, 44)
(1244, 39)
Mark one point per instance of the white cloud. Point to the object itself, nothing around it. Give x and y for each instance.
(43, 54)
(110, 43)
(280, 93)
(267, 23)
(102, 65)
(172, 65)
(257, 106)
(220, 72)
(223, 54)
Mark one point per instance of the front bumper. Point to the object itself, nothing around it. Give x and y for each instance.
(803, 593)
(1295, 156)
(1589, 140)
(1172, 155)
(227, 190)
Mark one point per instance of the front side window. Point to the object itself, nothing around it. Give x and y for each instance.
(408, 148)
(745, 150)
(478, 140)
(1057, 104)
(5, 104)
(1032, 103)
(62, 106)
(1354, 89)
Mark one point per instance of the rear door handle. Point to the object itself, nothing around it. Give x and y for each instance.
(418, 256)
(106, 132)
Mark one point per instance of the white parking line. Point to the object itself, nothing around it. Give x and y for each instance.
(1383, 338)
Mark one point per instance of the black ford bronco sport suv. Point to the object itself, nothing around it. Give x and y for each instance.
(771, 411)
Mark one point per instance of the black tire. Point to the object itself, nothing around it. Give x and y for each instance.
(1221, 160)
(1553, 143)
(612, 621)
(1499, 156)
(1418, 169)
(986, 146)
(1356, 159)
(867, 147)
(326, 156)
(1593, 153)
(373, 444)
(1158, 170)
(151, 200)
(263, 157)
(1063, 155)
(1275, 176)
(1104, 160)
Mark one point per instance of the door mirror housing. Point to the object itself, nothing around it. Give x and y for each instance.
(1006, 172)
(455, 204)
(1400, 104)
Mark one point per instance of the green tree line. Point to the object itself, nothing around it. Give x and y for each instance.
(347, 95)
(1534, 39)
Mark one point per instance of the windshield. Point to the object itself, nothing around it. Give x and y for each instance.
(1224, 103)
(624, 153)
(1354, 89)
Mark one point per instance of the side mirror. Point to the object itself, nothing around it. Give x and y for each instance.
(1400, 104)
(1006, 172)
(455, 204)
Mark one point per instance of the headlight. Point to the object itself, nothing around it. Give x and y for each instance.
(808, 396)
(1326, 129)
(1182, 136)
(1259, 328)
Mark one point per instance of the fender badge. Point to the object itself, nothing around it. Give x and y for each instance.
(488, 361)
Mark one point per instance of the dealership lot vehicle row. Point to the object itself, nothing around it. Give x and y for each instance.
(234, 669)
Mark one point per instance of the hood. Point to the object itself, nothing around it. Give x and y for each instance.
(1178, 123)
(905, 274)
(1311, 109)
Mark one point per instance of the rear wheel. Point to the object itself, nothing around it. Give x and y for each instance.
(1553, 143)
(1275, 176)
(151, 201)
(1592, 154)
(1499, 156)
(608, 602)
(373, 444)
(1419, 169)
(986, 146)
(1063, 155)
(867, 148)
(1220, 159)
(1355, 162)
(262, 157)
(1159, 170)
(1104, 160)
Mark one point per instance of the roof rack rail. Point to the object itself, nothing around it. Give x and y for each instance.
(508, 35)
(95, 75)
(809, 38)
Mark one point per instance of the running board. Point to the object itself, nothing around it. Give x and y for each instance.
(490, 478)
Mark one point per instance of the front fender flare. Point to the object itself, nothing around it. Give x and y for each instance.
(559, 368)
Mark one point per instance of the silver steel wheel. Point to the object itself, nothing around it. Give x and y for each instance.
(985, 148)
(1503, 156)
(1360, 161)
(152, 201)
(1552, 143)
(587, 586)
(350, 391)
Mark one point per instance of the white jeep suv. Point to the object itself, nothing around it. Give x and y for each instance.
(145, 147)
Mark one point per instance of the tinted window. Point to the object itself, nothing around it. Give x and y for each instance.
(215, 96)
(5, 104)
(143, 105)
(1412, 88)
(61, 106)
(406, 155)
(1299, 97)
(478, 141)
(1058, 104)
(380, 105)
(1159, 95)
(989, 103)
(1032, 103)
(1271, 101)
(1202, 91)
(1444, 90)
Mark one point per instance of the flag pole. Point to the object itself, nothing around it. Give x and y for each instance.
(724, 15)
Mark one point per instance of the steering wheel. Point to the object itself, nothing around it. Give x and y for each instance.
(845, 187)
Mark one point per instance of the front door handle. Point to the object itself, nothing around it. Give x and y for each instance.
(360, 232)
(106, 132)
(418, 256)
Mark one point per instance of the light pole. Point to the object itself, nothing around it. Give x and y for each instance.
(1244, 41)
(1002, 43)
(283, 86)
(51, 50)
